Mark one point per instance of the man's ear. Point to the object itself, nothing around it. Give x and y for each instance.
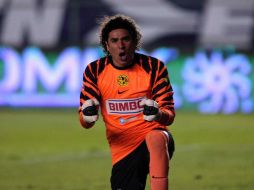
(107, 48)
(106, 43)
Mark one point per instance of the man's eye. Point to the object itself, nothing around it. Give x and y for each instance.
(113, 40)
(126, 39)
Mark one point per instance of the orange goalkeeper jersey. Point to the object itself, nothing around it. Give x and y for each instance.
(119, 91)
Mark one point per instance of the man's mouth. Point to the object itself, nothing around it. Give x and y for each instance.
(123, 56)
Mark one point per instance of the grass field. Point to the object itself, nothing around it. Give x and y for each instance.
(48, 150)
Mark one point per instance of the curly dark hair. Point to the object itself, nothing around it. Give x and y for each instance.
(107, 24)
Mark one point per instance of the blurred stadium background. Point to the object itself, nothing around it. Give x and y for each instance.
(44, 48)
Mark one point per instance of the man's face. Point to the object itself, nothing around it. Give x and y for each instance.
(121, 47)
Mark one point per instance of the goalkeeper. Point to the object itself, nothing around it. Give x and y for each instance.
(135, 97)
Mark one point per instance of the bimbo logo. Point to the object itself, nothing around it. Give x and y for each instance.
(124, 106)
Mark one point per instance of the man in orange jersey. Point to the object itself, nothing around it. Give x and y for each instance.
(134, 94)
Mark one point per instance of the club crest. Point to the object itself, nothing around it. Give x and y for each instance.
(122, 80)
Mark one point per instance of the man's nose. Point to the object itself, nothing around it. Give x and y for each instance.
(121, 44)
